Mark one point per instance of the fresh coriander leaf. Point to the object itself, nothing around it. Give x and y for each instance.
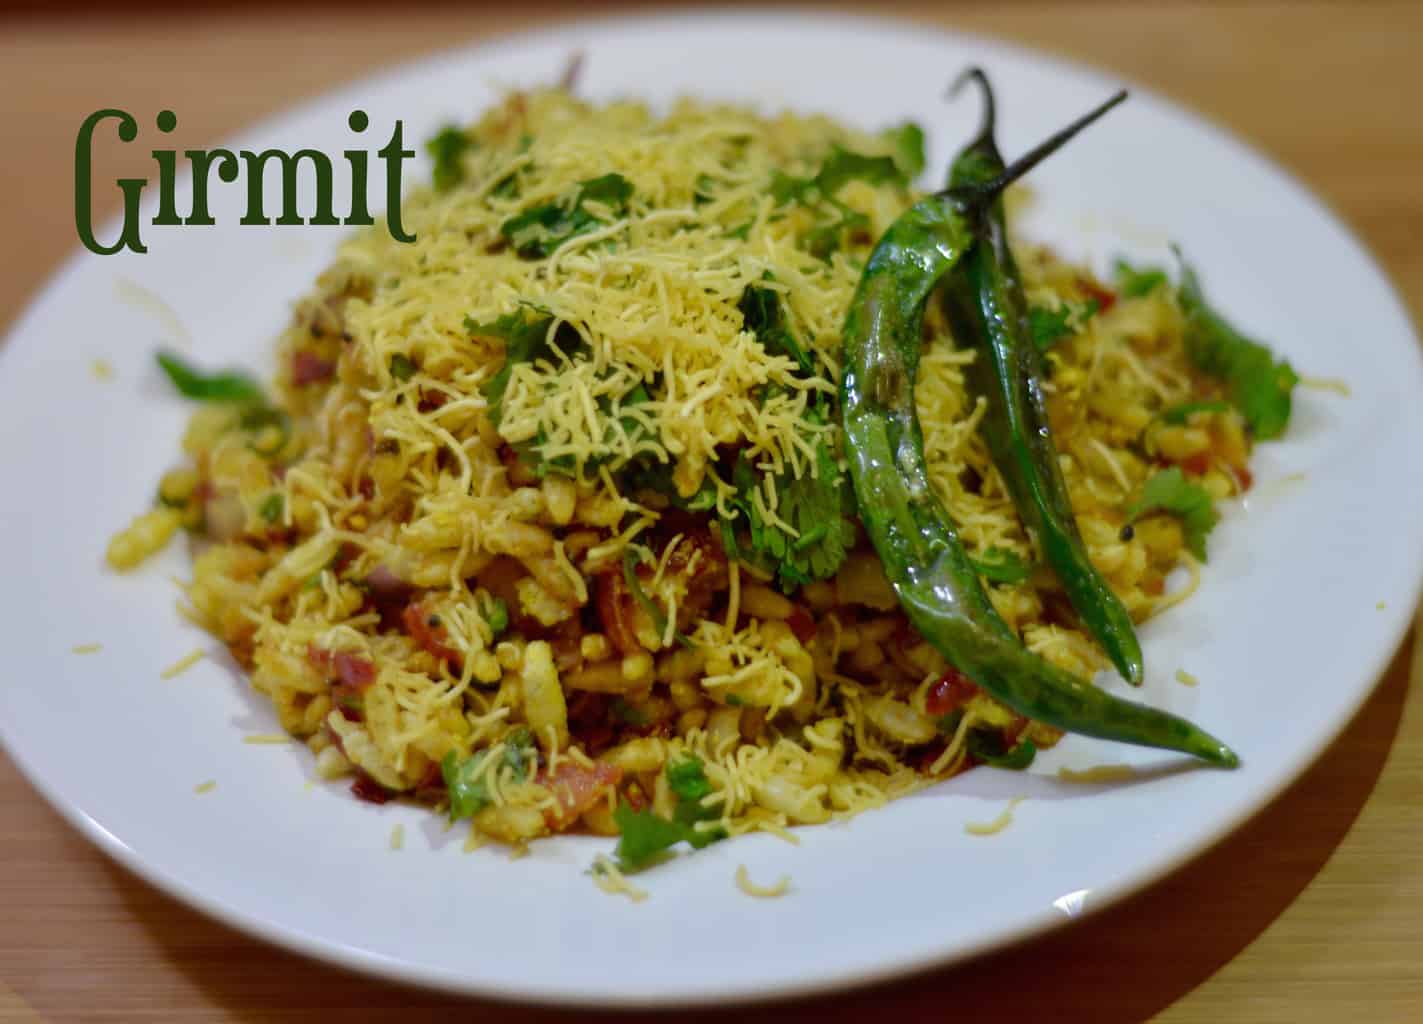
(401, 366)
(1170, 491)
(525, 337)
(1257, 384)
(843, 166)
(688, 779)
(468, 795)
(224, 386)
(644, 837)
(812, 505)
(518, 744)
(1049, 326)
(271, 507)
(447, 148)
(986, 746)
(496, 615)
(908, 142)
(1134, 282)
(786, 188)
(539, 230)
(1181, 413)
(704, 191)
(763, 316)
(1000, 565)
(464, 777)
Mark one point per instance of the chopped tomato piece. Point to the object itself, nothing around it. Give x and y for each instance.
(1104, 297)
(308, 368)
(368, 789)
(428, 632)
(576, 789)
(617, 609)
(696, 571)
(351, 670)
(801, 624)
(1197, 464)
(952, 690)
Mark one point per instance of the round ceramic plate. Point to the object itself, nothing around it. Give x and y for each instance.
(1308, 590)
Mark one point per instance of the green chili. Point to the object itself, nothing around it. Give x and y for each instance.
(987, 310)
(916, 542)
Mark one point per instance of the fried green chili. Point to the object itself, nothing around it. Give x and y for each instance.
(987, 310)
(917, 544)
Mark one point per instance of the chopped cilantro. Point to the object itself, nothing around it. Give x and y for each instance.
(1181, 413)
(465, 777)
(539, 230)
(986, 746)
(1134, 282)
(223, 386)
(1256, 383)
(1049, 326)
(1000, 565)
(401, 367)
(525, 335)
(687, 778)
(447, 148)
(908, 142)
(645, 836)
(837, 170)
(271, 507)
(496, 615)
(704, 189)
(1170, 491)
(815, 506)
(763, 316)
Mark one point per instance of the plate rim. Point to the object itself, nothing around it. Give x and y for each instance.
(1398, 618)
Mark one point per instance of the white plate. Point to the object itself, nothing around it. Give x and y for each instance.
(1308, 590)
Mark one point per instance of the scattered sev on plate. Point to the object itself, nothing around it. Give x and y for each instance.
(998, 824)
(608, 877)
(763, 892)
(182, 665)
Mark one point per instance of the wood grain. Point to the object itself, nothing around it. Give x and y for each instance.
(1310, 913)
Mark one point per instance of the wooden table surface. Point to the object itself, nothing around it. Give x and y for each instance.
(1312, 912)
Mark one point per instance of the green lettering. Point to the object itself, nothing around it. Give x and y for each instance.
(320, 163)
(166, 159)
(132, 188)
(393, 154)
(360, 213)
(226, 162)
